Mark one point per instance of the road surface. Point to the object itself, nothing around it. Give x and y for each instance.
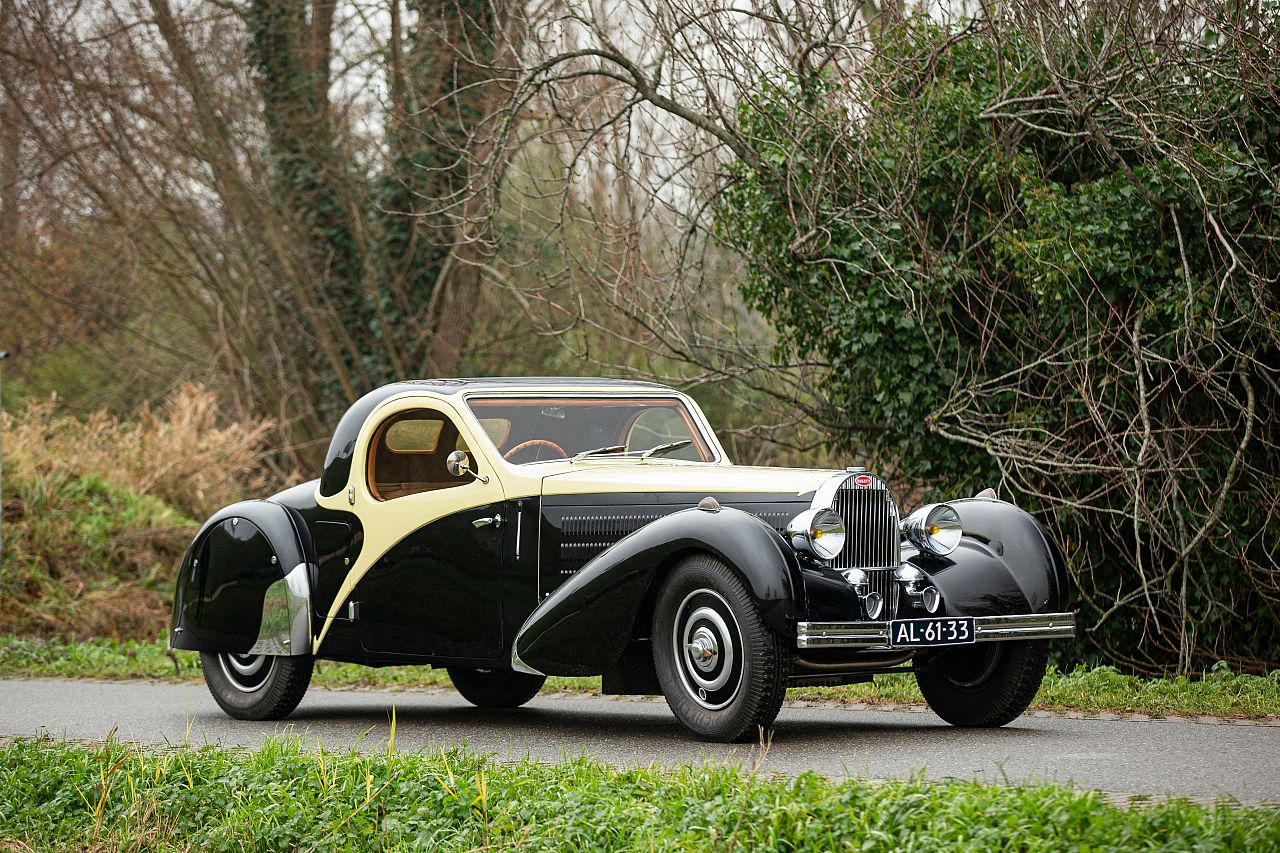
(1199, 759)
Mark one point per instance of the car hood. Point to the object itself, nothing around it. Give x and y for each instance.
(742, 481)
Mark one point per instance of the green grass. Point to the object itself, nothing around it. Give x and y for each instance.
(1219, 692)
(84, 555)
(285, 796)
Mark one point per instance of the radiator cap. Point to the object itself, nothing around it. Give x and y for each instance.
(709, 504)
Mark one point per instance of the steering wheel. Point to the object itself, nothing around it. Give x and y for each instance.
(535, 442)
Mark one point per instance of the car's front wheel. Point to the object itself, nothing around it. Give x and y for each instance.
(256, 687)
(721, 667)
(984, 685)
(496, 688)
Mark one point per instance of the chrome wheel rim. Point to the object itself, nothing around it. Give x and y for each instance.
(247, 673)
(707, 646)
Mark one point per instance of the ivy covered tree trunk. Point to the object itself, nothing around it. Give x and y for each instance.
(10, 140)
(393, 254)
(443, 89)
(305, 237)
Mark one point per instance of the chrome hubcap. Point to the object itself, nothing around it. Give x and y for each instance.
(707, 645)
(703, 649)
(247, 673)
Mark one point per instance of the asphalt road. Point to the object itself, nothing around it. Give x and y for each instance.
(1120, 756)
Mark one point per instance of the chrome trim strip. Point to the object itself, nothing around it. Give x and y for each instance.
(987, 629)
(519, 665)
(286, 616)
(519, 519)
(825, 495)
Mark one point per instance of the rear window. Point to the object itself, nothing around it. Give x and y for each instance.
(414, 436)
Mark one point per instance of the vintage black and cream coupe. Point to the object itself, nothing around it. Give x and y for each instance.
(510, 529)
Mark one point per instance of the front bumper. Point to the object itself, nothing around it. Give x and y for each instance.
(987, 629)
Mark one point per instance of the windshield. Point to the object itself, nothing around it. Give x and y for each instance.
(537, 429)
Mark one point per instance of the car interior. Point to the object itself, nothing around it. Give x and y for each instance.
(408, 454)
(409, 450)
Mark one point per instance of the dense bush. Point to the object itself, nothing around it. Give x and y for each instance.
(1041, 253)
(185, 454)
(97, 512)
(86, 558)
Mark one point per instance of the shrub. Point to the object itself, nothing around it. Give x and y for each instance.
(183, 454)
(1041, 252)
(98, 512)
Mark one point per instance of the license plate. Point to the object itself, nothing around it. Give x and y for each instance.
(931, 632)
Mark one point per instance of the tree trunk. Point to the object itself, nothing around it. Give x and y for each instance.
(10, 133)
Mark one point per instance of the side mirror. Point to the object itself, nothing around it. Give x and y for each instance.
(459, 465)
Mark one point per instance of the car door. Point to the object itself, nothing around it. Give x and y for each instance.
(432, 584)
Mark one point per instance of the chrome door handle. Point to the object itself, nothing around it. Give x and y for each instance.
(496, 521)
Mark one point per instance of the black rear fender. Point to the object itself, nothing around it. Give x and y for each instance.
(243, 585)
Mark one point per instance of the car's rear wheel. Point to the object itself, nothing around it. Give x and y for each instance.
(984, 685)
(721, 667)
(256, 687)
(496, 688)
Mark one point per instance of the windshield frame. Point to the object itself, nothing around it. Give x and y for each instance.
(691, 409)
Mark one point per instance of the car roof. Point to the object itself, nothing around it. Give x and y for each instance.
(522, 383)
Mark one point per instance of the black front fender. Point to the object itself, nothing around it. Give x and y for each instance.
(1007, 563)
(227, 577)
(584, 626)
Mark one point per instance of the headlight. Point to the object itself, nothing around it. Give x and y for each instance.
(934, 528)
(819, 532)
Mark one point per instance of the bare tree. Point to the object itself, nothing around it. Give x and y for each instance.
(624, 115)
(10, 140)
(295, 173)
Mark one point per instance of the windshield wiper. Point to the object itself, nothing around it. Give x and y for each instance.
(621, 450)
(600, 451)
(663, 448)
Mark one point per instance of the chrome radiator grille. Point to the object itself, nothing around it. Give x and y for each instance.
(871, 526)
(871, 537)
(881, 581)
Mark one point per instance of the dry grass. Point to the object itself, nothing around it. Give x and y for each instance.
(182, 454)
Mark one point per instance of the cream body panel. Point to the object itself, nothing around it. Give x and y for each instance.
(650, 476)
(387, 522)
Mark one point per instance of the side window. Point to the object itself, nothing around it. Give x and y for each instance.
(408, 454)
